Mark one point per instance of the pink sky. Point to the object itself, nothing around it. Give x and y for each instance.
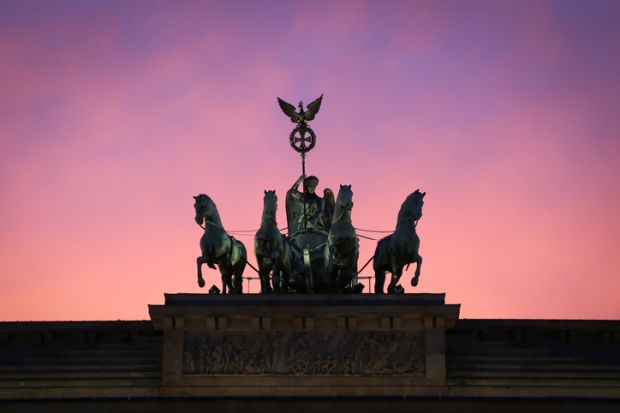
(113, 114)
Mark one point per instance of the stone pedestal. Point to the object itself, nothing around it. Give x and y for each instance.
(304, 345)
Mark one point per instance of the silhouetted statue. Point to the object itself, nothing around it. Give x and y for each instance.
(303, 116)
(342, 249)
(219, 248)
(308, 202)
(401, 248)
(272, 249)
(321, 251)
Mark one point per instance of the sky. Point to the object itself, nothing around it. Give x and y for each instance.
(113, 114)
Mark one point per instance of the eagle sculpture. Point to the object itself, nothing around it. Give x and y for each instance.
(302, 116)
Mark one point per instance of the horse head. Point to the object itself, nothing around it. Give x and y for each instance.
(345, 197)
(270, 203)
(413, 204)
(205, 210)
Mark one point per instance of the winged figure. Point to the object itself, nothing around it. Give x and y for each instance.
(302, 116)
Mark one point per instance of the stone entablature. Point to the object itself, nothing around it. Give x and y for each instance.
(298, 345)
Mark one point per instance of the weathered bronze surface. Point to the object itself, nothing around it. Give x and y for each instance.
(218, 248)
(303, 116)
(310, 216)
(342, 249)
(401, 247)
(272, 249)
(321, 250)
(302, 138)
(323, 241)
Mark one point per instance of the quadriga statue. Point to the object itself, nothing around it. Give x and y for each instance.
(336, 251)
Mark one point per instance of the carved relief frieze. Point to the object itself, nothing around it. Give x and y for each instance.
(348, 353)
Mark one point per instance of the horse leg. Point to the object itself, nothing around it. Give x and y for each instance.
(354, 280)
(261, 270)
(337, 280)
(418, 261)
(225, 280)
(263, 275)
(379, 281)
(397, 272)
(284, 268)
(379, 274)
(237, 272)
(351, 270)
(345, 277)
(274, 285)
(229, 280)
(276, 277)
(199, 261)
(395, 276)
(356, 286)
(235, 282)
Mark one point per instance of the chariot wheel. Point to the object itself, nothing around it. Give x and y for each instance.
(300, 367)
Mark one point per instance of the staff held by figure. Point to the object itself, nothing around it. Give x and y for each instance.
(302, 138)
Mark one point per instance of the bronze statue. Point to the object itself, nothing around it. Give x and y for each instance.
(303, 116)
(272, 249)
(342, 249)
(401, 247)
(304, 209)
(320, 253)
(219, 248)
(302, 138)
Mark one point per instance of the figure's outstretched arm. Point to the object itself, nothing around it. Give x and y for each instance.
(298, 182)
(294, 191)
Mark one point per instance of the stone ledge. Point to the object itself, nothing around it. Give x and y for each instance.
(184, 299)
(303, 312)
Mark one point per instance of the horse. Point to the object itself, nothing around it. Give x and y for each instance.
(219, 248)
(272, 250)
(401, 247)
(342, 248)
